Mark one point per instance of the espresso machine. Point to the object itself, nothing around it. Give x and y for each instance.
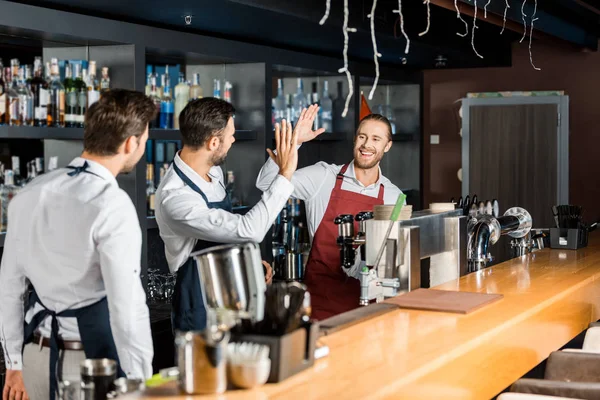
(426, 250)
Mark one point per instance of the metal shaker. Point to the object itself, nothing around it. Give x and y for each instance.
(201, 358)
(101, 373)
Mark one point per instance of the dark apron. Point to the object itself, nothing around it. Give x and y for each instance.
(188, 312)
(93, 322)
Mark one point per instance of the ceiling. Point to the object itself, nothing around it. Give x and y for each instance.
(294, 24)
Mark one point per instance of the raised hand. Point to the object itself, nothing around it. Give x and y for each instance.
(286, 144)
(303, 128)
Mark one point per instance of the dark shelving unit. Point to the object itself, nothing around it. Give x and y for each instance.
(30, 30)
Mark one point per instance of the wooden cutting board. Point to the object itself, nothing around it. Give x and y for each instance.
(444, 300)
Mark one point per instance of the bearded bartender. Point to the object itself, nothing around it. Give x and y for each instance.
(329, 190)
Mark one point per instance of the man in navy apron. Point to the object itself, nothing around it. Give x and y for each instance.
(193, 209)
(74, 236)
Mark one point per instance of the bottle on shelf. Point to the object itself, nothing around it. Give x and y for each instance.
(16, 168)
(7, 191)
(157, 102)
(28, 76)
(13, 94)
(280, 106)
(166, 106)
(182, 96)
(314, 99)
(341, 124)
(56, 105)
(3, 99)
(231, 190)
(196, 91)
(25, 100)
(217, 89)
(299, 101)
(40, 91)
(149, 75)
(105, 81)
(71, 97)
(81, 91)
(326, 109)
(150, 189)
(228, 87)
(93, 86)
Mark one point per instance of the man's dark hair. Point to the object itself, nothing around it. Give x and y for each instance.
(202, 119)
(379, 118)
(118, 115)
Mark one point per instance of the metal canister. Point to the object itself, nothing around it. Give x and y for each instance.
(201, 358)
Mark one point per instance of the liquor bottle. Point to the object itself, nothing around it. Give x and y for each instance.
(105, 81)
(82, 101)
(299, 101)
(16, 167)
(166, 107)
(314, 99)
(7, 191)
(326, 109)
(150, 189)
(341, 124)
(230, 189)
(228, 87)
(39, 89)
(196, 91)
(3, 101)
(39, 166)
(217, 89)
(13, 95)
(25, 100)
(280, 103)
(182, 96)
(28, 76)
(157, 103)
(71, 97)
(56, 104)
(149, 75)
(93, 87)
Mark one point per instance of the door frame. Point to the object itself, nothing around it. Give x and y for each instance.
(562, 136)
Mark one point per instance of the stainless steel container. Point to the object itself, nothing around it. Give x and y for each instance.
(232, 279)
(201, 358)
(101, 372)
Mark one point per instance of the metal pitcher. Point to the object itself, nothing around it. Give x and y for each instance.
(201, 358)
(233, 280)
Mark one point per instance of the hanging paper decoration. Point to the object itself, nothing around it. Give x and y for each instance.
(524, 21)
(506, 7)
(461, 18)
(533, 19)
(473, 31)
(345, 70)
(399, 12)
(376, 54)
(427, 3)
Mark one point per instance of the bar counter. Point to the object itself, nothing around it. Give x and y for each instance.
(550, 296)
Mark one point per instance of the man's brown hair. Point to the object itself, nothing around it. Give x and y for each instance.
(379, 118)
(118, 115)
(202, 119)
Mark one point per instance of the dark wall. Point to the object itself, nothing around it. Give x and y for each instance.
(566, 69)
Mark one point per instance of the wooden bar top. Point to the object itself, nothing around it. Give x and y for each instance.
(550, 296)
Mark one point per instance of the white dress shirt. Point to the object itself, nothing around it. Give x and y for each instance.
(77, 239)
(183, 216)
(314, 185)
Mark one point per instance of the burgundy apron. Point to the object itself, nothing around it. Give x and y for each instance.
(333, 292)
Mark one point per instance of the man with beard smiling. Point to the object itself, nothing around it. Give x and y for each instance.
(330, 190)
(193, 210)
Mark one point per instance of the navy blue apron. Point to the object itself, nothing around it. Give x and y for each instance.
(93, 322)
(188, 312)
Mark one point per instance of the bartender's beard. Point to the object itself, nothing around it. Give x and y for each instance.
(219, 157)
(367, 164)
